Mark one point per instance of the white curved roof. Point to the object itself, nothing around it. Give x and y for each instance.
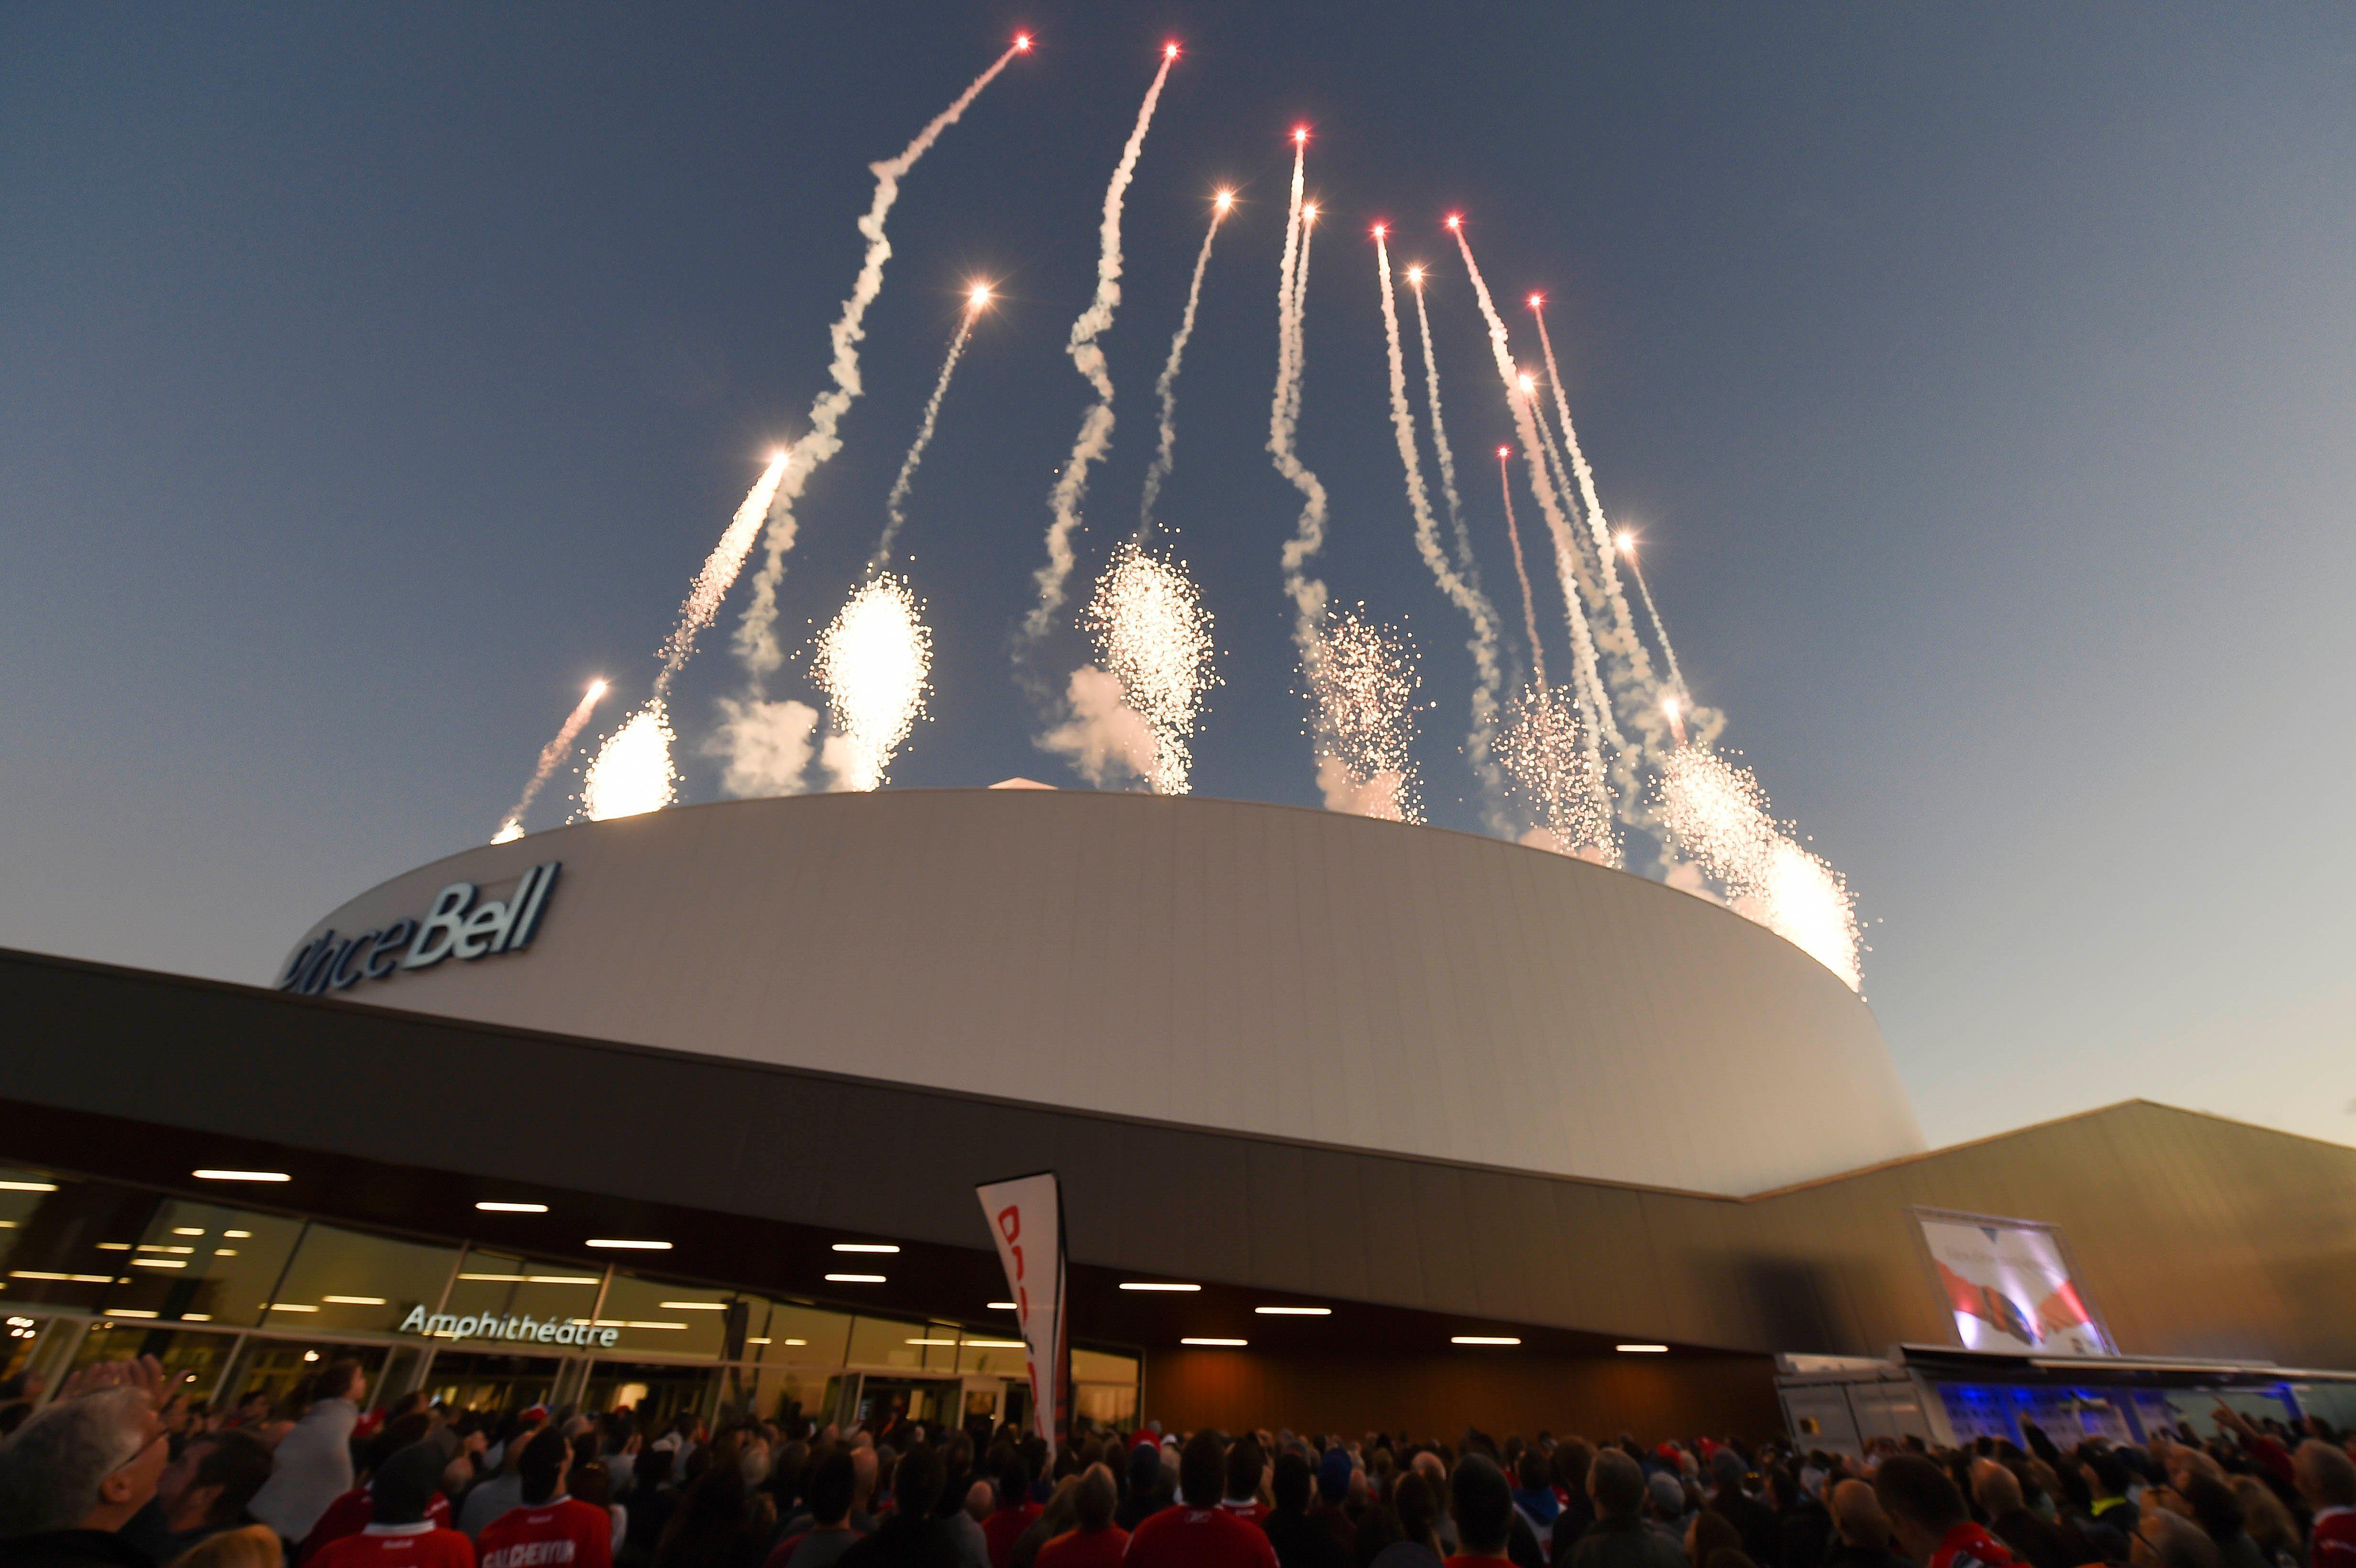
(1253, 968)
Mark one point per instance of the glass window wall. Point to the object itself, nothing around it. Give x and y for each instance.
(200, 1262)
(347, 1282)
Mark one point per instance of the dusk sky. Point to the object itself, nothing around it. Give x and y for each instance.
(1980, 379)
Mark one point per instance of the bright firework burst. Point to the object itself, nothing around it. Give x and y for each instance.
(1361, 685)
(1718, 814)
(1153, 633)
(632, 772)
(874, 662)
(1554, 771)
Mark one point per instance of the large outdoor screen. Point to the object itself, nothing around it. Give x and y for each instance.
(2009, 1284)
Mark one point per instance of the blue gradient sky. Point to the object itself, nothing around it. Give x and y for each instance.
(1980, 378)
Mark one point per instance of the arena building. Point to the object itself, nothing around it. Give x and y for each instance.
(1359, 1126)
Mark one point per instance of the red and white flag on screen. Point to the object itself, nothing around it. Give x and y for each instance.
(1026, 1218)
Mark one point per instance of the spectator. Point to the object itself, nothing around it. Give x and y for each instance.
(1143, 1498)
(1803, 1529)
(1483, 1506)
(649, 1503)
(497, 1493)
(1060, 1514)
(720, 1522)
(912, 1537)
(2164, 1539)
(1928, 1517)
(203, 1492)
(2107, 1479)
(2038, 1542)
(1711, 1538)
(1199, 1533)
(1620, 1538)
(399, 1535)
(2268, 1523)
(1417, 1512)
(249, 1546)
(1754, 1521)
(1015, 1512)
(957, 1464)
(78, 1472)
(1671, 1509)
(1245, 1469)
(592, 1483)
(311, 1465)
(350, 1514)
(1534, 1497)
(1330, 1508)
(1860, 1530)
(549, 1526)
(1094, 1541)
(1300, 1540)
(2326, 1479)
(828, 1535)
(1569, 1464)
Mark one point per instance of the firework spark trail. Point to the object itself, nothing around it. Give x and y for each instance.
(874, 662)
(551, 757)
(1308, 593)
(1553, 774)
(1660, 632)
(1464, 562)
(1529, 599)
(1633, 666)
(1166, 387)
(1096, 425)
(1718, 814)
(710, 588)
(1363, 684)
(756, 635)
(1566, 544)
(1154, 636)
(1591, 595)
(895, 504)
(632, 772)
(1480, 744)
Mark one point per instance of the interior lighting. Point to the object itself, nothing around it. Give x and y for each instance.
(865, 1247)
(490, 1208)
(28, 1186)
(1482, 1339)
(997, 1345)
(1155, 1285)
(187, 1230)
(1003, 1306)
(854, 1279)
(626, 1245)
(290, 1307)
(692, 1306)
(1294, 1311)
(1230, 1344)
(159, 1263)
(1641, 1350)
(354, 1300)
(932, 1341)
(128, 1312)
(239, 1236)
(239, 1176)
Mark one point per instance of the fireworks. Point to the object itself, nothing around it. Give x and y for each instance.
(1307, 593)
(1361, 685)
(551, 757)
(1717, 815)
(1166, 387)
(895, 504)
(1555, 775)
(633, 772)
(874, 662)
(1521, 567)
(1154, 636)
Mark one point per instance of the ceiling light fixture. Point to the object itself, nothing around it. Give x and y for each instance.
(239, 1176)
(1482, 1339)
(1224, 1344)
(626, 1245)
(1155, 1285)
(490, 1208)
(1294, 1311)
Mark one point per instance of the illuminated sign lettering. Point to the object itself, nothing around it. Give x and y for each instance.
(453, 926)
(492, 1325)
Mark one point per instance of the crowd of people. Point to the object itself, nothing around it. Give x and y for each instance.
(118, 1470)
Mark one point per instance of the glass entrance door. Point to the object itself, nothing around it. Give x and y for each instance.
(474, 1379)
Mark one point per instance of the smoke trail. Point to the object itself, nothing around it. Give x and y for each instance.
(1095, 426)
(551, 757)
(633, 772)
(1308, 593)
(756, 639)
(1660, 632)
(895, 504)
(1590, 595)
(1166, 389)
(1632, 666)
(1480, 744)
(1464, 562)
(1522, 571)
(1595, 702)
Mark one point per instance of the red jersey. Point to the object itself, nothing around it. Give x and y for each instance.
(559, 1531)
(420, 1545)
(2335, 1539)
(1969, 1546)
(1251, 1510)
(1474, 1560)
(1198, 1538)
(1084, 1548)
(1003, 1528)
(350, 1514)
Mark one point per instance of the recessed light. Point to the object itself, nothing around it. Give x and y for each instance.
(627, 1245)
(634, 1324)
(692, 1306)
(239, 1236)
(932, 1341)
(354, 1300)
(112, 1246)
(159, 1263)
(489, 1208)
(865, 1247)
(128, 1312)
(797, 1341)
(997, 1345)
(187, 1230)
(196, 1316)
(1294, 1311)
(1003, 1306)
(1643, 1350)
(1224, 1343)
(28, 1186)
(1155, 1285)
(241, 1176)
(1482, 1339)
(291, 1306)
(854, 1279)
(755, 1341)
(224, 1251)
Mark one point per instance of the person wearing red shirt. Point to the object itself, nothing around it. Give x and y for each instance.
(1928, 1517)
(1198, 1533)
(550, 1530)
(1484, 1513)
(1015, 1513)
(1097, 1543)
(399, 1535)
(2326, 1481)
(1245, 1474)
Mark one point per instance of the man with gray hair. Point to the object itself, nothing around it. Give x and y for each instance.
(1620, 1538)
(76, 1473)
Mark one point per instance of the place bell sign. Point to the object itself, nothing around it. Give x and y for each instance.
(453, 926)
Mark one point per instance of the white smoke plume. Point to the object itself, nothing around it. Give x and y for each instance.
(766, 746)
(1166, 387)
(1308, 593)
(1095, 426)
(1106, 741)
(551, 757)
(756, 639)
(1464, 562)
(896, 504)
(1480, 744)
(1522, 571)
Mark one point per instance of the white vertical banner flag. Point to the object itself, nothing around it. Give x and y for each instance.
(1026, 1218)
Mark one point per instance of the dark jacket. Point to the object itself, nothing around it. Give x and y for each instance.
(904, 1542)
(73, 1549)
(1762, 1532)
(1303, 1540)
(1806, 1532)
(2039, 1542)
(1626, 1543)
(1843, 1555)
